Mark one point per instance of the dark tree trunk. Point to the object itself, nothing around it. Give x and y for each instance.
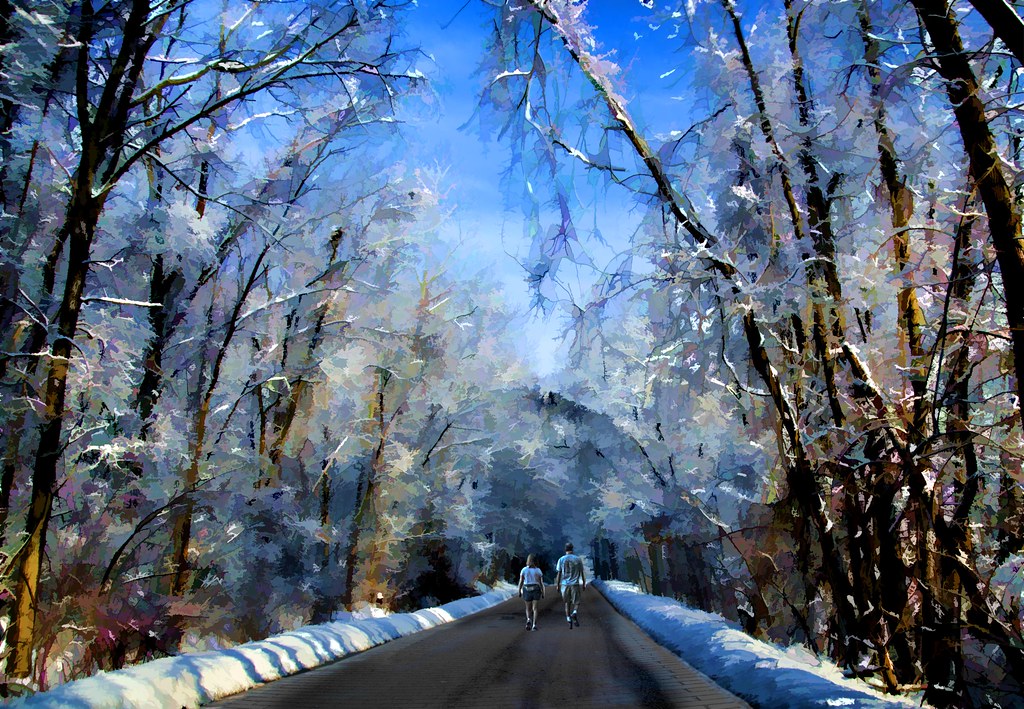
(985, 165)
(164, 287)
(1006, 24)
(101, 135)
(83, 216)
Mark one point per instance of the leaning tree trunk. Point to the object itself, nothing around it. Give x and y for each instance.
(826, 288)
(986, 167)
(1006, 24)
(822, 275)
(814, 271)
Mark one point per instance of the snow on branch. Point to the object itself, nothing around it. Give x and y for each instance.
(120, 301)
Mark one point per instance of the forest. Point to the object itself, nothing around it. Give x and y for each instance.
(244, 383)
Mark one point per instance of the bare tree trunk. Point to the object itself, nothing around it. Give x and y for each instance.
(765, 123)
(284, 420)
(820, 327)
(942, 620)
(367, 516)
(165, 284)
(806, 490)
(324, 602)
(21, 633)
(654, 539)
(986, 168)
(164, 287)
(101, 133)
(823, 274)
(8, 473)
(890, 596)
(10, 276)
(354, 534)
(183, 523)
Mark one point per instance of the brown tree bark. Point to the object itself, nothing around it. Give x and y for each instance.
(366, 516)
(889, 594)
(101, 135)
(182, 533)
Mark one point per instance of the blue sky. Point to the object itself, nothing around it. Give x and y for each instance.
(453, 36)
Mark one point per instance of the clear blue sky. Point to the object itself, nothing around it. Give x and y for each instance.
(453, 35)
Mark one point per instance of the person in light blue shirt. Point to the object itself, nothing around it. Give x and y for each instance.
(572, 581)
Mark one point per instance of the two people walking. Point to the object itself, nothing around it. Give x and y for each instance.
(569, 578)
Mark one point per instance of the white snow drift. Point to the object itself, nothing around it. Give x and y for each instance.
(194, 678)
(761, 673)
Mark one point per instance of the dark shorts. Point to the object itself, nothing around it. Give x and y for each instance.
(531, 592)
(571, 594)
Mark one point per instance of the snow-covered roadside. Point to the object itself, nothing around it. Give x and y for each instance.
(761, 673)
(194, 678)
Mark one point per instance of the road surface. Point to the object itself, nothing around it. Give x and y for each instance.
(490, 660)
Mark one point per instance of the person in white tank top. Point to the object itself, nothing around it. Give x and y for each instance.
(531, 588)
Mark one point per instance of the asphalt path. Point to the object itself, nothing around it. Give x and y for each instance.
(489, 659)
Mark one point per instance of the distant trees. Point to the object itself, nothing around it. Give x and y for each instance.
(803, 230)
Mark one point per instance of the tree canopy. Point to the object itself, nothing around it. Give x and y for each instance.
(249, 378)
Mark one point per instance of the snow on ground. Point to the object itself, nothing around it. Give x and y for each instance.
(761, 673)
(191, 679)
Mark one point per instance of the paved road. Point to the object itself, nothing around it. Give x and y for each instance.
(490, 660)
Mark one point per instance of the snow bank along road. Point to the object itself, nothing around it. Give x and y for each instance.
(519, 668)
(489, 659)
